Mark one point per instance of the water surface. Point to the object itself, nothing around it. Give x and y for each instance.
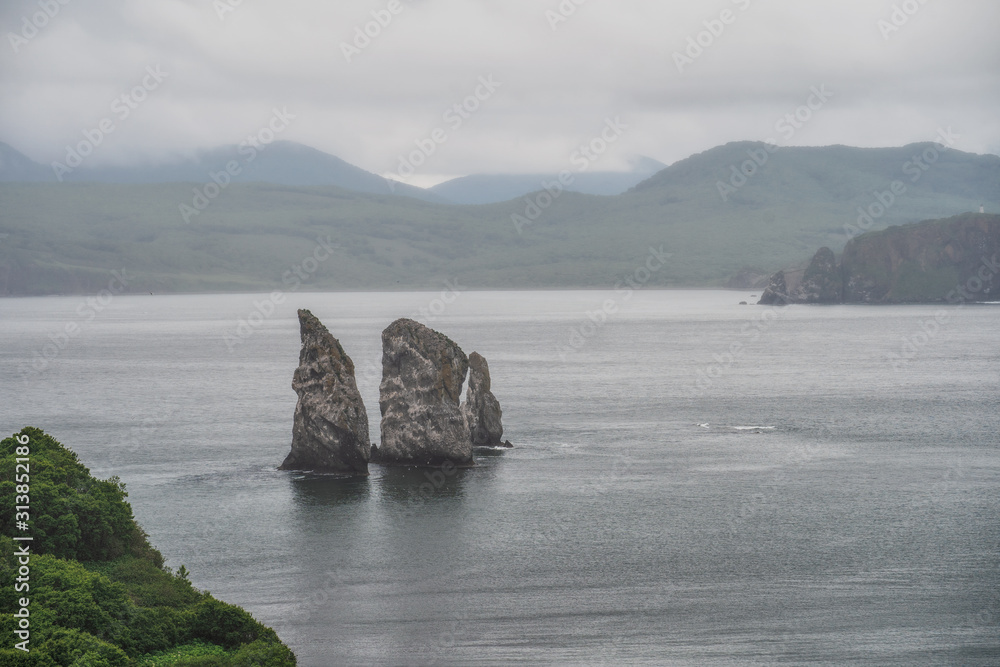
(694, 481)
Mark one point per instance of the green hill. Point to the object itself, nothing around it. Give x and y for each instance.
(67, 238)
(953, 261)
(935, 261)
(92, 592)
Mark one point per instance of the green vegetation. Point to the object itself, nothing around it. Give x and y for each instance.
(68, 237)
(99, 593)
(914, 283)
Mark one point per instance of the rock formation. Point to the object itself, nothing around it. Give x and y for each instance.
(481, 409)
(422, 376)
(821, 282)
(330, 428)
(940, 260)
(951, 260)
(776, 292)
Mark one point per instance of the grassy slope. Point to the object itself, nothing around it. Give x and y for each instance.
(68, 237)
(98, 592)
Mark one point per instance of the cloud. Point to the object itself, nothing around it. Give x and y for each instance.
(560, 78)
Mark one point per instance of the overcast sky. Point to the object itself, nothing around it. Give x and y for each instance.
(559, 71)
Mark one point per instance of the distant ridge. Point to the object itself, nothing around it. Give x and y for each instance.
(69, 237)
(494, 188)
(16, 167)
(280, 162)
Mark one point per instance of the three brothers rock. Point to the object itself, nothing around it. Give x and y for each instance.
(423, 422)
(330, 427)
(481, 410)
(422, 376)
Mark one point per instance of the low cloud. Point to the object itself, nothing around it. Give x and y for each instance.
(755, 61)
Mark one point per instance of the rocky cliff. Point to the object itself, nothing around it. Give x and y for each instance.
(941, 260)
(776, 292)
(481, 409)
(953, 260)
(422, 376)
(821, 282)
(330, 427)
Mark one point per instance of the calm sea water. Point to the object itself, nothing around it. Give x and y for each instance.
(694, 481)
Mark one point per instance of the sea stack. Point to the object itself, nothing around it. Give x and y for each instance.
(776, 292)
(481, 409)
(821, 282)
(422, 376)
(330, 429)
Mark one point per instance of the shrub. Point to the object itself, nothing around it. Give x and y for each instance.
(73, 515)
(78, 649)
(121, 607)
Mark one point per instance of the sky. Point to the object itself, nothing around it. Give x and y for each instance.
(424, 90)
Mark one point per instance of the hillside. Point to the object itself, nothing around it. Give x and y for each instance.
(955, 260)
(951, 260)
(96, 593)
(67, 238)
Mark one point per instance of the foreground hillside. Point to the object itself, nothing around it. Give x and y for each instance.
(69, 237)
(95, 593)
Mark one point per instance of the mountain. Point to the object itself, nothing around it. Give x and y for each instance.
(829, 174)
(68, 237)
(280, 162)
(15, 167)
(954, 260)
(494, 188)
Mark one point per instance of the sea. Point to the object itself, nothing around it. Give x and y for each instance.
(693, 481)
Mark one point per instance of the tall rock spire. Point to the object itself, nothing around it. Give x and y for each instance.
(330, 429)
